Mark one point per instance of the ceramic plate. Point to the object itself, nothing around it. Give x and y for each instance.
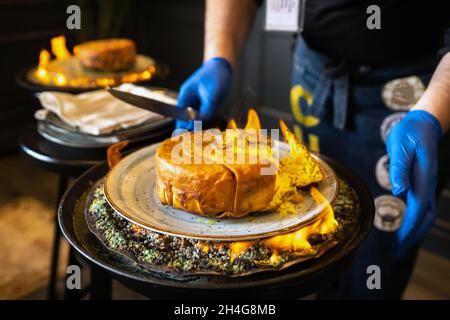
(130, 189)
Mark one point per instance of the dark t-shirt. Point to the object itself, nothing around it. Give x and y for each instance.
(410, 30)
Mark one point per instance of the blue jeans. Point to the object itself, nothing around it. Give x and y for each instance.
(340, 116)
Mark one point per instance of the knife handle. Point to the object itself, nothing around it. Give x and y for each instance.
(191, 113)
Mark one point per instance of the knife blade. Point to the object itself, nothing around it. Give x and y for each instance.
(153, 105)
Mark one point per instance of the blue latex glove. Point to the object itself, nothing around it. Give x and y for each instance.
(205, 90)
(413, 150)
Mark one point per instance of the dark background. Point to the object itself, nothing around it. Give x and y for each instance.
(169, 31)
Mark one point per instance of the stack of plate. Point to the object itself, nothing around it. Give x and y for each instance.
(57, 131)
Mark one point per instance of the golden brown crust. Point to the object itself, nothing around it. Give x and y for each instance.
(253, 190)
(203, 189)
(107, 54)
(215, 189)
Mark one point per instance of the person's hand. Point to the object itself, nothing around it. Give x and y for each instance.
(205, 90)
(412, 146)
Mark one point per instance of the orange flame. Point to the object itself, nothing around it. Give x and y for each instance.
(297, 148)
(296, 240)
(60, 51)
(252, 120)
(60, 80)
(239, 248)
(44, 59)
(59, 48)
(232, 124)
(105, 82)
(326, 223)
(204, 247)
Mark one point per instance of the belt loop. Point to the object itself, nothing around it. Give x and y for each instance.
(293, 42)
(336, 68)
(340, 101)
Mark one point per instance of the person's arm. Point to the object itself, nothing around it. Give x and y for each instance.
(412, 146)
(227, 25)
(436, 98)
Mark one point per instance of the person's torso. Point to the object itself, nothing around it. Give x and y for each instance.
(410, 30)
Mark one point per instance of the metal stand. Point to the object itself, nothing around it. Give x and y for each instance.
(101, 284)
(72, 294)
(71, 162)
(51, 294)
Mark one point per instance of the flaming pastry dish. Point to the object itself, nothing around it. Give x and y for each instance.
(93, 64)
(218, 190)
(221, 186)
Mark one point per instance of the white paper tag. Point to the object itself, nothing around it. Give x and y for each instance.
(284, 15)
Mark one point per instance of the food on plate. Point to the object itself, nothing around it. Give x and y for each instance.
(215, 187)
(216, 184)
(299, 169)
(107, 54)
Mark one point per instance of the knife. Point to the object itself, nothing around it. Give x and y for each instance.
(153, 105)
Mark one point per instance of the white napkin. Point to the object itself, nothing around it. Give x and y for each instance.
(98, 112)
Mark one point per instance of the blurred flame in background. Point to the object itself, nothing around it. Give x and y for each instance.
(59, 48)
(59, 79)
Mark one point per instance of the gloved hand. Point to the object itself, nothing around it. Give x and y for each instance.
(412, 146)
(205, 90)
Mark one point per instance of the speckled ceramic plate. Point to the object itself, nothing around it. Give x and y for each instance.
(130, 190)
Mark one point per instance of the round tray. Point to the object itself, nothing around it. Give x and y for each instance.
(72, 70)
(21, 79)
(294, 282)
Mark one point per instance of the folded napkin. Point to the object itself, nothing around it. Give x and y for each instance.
(98, 112)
